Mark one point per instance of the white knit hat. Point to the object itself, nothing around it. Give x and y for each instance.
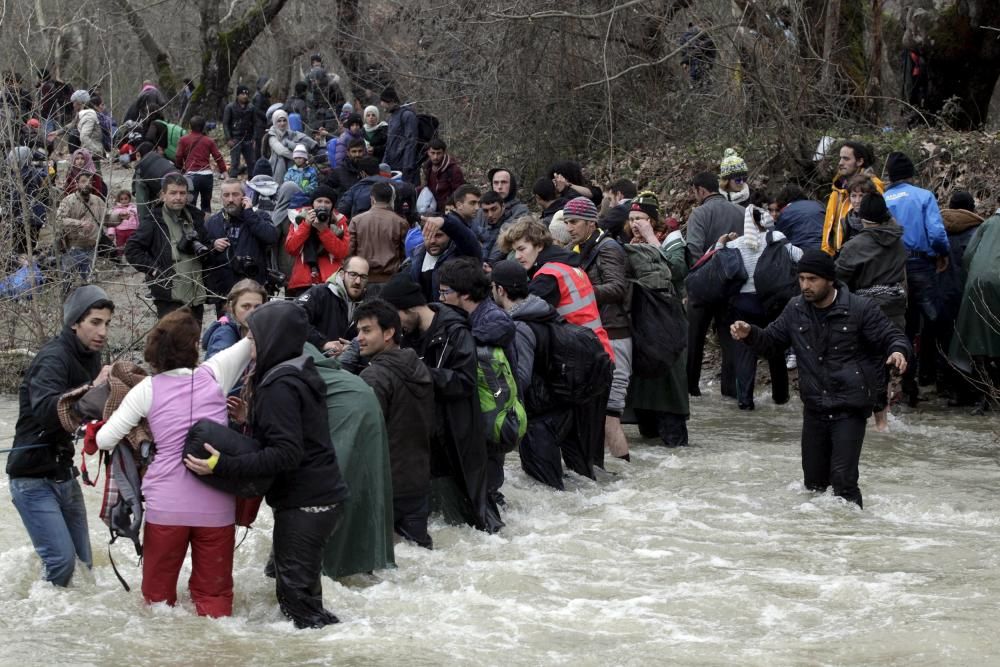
(300, 151)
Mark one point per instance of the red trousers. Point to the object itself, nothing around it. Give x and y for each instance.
(211, 582)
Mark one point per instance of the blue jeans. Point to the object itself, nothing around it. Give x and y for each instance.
(77, 260)
(55, 517)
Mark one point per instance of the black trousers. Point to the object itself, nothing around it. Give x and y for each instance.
(831, 449)
(747, 307)
(203, 184)
(700, 320)
(669, 427)
(410, 519)
(164, 308)
(299, 539)
(541, 455)
(495, 476)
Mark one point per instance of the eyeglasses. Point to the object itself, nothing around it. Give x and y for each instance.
(442, 293)
(738, 179)
(354, 275)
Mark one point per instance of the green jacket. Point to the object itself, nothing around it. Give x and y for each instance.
(363, 540)
(976, 331)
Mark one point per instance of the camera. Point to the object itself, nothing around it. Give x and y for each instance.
(275, 279)
(245, 266)
(190, 245)
(322, 215)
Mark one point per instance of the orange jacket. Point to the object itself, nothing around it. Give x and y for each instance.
(577, 303)
(837, 208)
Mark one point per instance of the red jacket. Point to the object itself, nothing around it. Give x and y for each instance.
(328, 258)
(195, 152)
(444, 181)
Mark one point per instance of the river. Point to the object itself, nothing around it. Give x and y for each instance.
(710, 555)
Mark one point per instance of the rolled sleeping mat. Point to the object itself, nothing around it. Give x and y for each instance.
(228, 443)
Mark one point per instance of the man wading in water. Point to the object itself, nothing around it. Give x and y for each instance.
(840, 340)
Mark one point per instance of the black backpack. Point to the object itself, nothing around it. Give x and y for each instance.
(578, 369)
(776, 277)
(659, 330)
(427, 127)
(716, 278)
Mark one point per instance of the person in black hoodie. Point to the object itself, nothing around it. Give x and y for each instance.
(440, 335)
(286, 411)
(43, 484)
(405, 391)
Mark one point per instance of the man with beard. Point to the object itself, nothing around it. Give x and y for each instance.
(81, 216)
(441, 173)
(440, 335)
(840, 340)
(240, 239)
(853, 158)
(330, 306)
(444, 239)
(169, 247)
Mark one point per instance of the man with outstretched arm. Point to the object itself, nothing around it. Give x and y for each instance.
(839, 339)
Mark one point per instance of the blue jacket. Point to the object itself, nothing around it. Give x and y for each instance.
(463, 244)
(250, 235)
(917, 212)
(220, 335)
(802, 223)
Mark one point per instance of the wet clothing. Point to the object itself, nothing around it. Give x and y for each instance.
(211, 582)
(831, 451)
(458, 448)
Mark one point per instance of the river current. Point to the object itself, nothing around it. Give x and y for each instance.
(710, 555)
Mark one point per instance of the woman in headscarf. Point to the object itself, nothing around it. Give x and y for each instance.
(287, 414)
(281, 142)
(82, 162)
(376, 132)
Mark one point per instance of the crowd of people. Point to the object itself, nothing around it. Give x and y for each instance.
(356, 261)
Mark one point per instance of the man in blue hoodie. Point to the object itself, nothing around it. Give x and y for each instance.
(916, 210)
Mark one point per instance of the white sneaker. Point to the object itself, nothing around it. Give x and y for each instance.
(790, 361)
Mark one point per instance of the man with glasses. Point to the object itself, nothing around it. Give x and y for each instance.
(330, 306)
(378, 235)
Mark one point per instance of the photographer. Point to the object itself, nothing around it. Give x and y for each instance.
(317, 242)
(239, 238)
(169, 247)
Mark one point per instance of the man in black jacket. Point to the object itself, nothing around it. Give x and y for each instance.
(840, 340)
(330, 306)
(405, 391)
(169, 248)
(43, 482)
(238, 121)
(440, 334)
(240, 239)
(148, 177)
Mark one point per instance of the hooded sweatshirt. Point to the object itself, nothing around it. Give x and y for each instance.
(492, 326)
(873, 263)
(405, 393)
(288, 416)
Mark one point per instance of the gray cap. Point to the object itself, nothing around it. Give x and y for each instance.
(80, 301)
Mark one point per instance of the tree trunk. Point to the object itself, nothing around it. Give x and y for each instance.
(830, 39)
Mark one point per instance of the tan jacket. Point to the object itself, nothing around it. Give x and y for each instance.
(378, 235)
(79, 222)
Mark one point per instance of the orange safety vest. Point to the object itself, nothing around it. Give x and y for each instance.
(577, 303)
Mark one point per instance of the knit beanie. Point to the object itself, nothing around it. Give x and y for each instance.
(873, 208)
(960, 199)
(403, 293)
(80, 301)
(732, 164)
(389, 95)
(508, 273)
(242, 90)
(580, 208)
(80, 97)
(322, 191)
(818, 263)
(899, 166)
(648, 203)
(300, 151)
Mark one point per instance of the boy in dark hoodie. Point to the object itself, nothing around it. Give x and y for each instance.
(465, 285)
(405, 392)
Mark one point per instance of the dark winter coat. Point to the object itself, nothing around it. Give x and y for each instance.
(463, 244)
(401, 140)
(604, 261)
(444, 181)
(876, 256)
(61, 365)
(328, 313)
(405, 391)
(458, 449)
(532, 386)
(551, 210)
(288, 416)
(961, 226)
(802, 223)
(492, 326)
(358, 197)
(221, 335)
(238, 121)
(146, 180)
(250, 234)
(713, 218)
(614, 220)
(148, 250)
(840, 357)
